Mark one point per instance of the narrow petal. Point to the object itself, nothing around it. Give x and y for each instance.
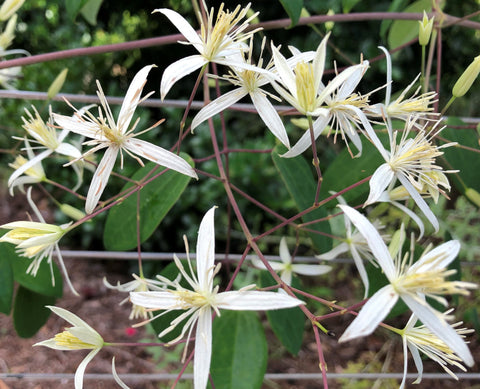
(70, 317)
(283, 251)
(255, 301)
(81, 368)
(431, 319)
(352, 81)
(178, 70)
(361, 268)
(218, 105)
(132, 97)
(405, 363)
(100, 178)
(206, 250)
(381, 178)
(203, 349)
(77, 126)
(27, 165)
(182, 25)
(275, 265)
(319, 62)
(372, 313)
(373, 238)
(417, 359)
(284, 71)
(438, 258)
(117, 379)
(305, 141)
(155, 300)
(270, 117)
(412, 215)
(68, 150)
(334, 253)
(160, 156)
(286, 276)
(419, 201)
(310, 270)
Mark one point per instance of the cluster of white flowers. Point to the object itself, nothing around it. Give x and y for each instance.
(410, 171)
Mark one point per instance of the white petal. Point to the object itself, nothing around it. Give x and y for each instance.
(182, 25)
(319, 62)
(255, 301)
(417, 359)
(381, 178)
(283, 69)
(155, 300)
(275, 265)
(270, 117)
(419, 201)
(372, 313)
(412, 215)
(160, 156)
(27, 165)
(310, 270)
(77, 126)
(388, 89)
(305, 141)
(361, 268)
(334, 253)
(68, 150)
(206, 251)
(100, 178)
(439, 327)
(405, 363)
(116, 377)
(283, 251)
(352, 81)
(218, 105)
(286, 276)
(373, 238)
(132, 97)
(203, 349)
(70, 317)
(81, 368)
(438, 258)
(178, 70)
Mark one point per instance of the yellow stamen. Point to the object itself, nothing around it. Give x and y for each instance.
(66, 339)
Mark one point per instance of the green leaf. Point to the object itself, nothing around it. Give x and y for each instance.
(90, 11)
(239, 351)
(156, 199)
(466, 161)
(287, 324)
(74, 7)
(347, 5)
(29, 312)
(298, 178)
(395, 6)
(42, 282)
(6, 285)
(403, 31)
(293, 8)
(345, 171)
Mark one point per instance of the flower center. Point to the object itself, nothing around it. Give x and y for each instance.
(66, 339)
(190, 299)
(305, 83)
(42, 133)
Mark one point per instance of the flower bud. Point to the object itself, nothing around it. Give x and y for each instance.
(57, 84)
(425, 29)
(9, 7)
(466, 80)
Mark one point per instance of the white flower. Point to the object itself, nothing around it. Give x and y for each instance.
(412, 162)
(117, 136)
(37, 240)
(47, 137)
(138, 284)
(32, 175)
(250, 82)
(356, 244)
(287, 268)
(79, 337)
(428, 277)
(217, 42)
(303, 89)
(421, 339)
(203, 299)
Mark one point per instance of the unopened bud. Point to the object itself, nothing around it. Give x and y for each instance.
(473, 196)
(57, 84)
(72, 212)
(466, 80)
(9, 7)
(425, 29)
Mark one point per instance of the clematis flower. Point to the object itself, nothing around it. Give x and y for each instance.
(356, 244)
(79, 337)
(428, 277)
(46, 136)
(216, 42)
(37, 240)
(420, 339)
(303, 89)
(117, 136)
(138, 284)
(32, 175)
(287, 268)
(204, 299)
(412, 162)
(250, 82)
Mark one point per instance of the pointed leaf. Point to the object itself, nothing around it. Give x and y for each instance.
(293, 8)
(74, 7)
(239, 356)
(90, 11)
(29, 312)
(156, 199)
